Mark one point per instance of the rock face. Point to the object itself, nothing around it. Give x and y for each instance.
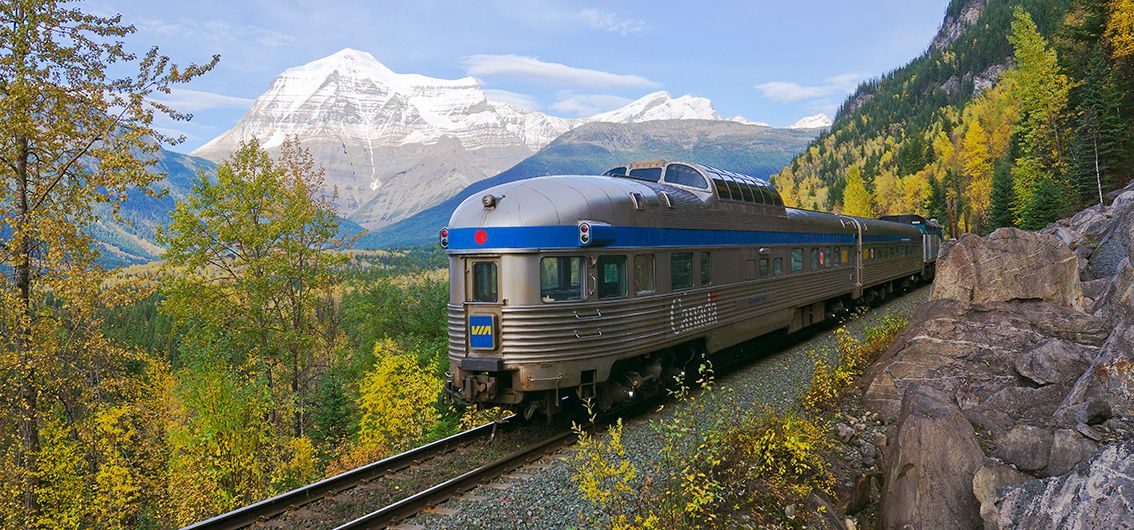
(1099, 496)
(931, 465)
(1009, 265)
(1026, 377)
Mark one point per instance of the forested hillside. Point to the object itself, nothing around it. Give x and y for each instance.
(1019, 112)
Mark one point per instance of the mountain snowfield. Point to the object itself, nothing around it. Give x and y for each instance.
(394, 144)
(812, 122)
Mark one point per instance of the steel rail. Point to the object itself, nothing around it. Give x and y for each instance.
(445, 490)
(266, 508)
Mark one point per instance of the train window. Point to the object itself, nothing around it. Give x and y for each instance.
(706, 268)
(681, 271)
(651, 174)
(722, 189)
(796, 259)
(643, 274)
(778, 266)
(611, 276)
(835, 256)
(684, 175)
(763, 267)
(485, 287)
(615, 172)
(762, 195)
(844, 255)
(826, 257)
(561, 278)
(734, 189)
(746, 191)
(814, 259)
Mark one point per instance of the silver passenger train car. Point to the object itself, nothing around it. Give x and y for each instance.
(607, 286)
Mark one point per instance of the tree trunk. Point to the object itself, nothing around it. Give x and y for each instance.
(29, 420)
(1098, 175)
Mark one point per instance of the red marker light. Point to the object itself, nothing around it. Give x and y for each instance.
(585, 228)
(480, 237)
(444, 232)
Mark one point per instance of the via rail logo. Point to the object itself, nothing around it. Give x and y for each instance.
(683, 319)
(481, 333)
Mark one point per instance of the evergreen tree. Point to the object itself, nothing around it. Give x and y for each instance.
(1048, 204)
(1000, 208)
(1099, 130)
(935, 202)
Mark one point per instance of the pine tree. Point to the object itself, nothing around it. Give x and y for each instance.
(1099, 130)
(935, 202)
(73, 136)
(1000, 207)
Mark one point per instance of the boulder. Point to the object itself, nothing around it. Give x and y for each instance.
(1097, 495)
(1026, 446)
(1055, 361)
(1068, 449)
(1008, 265)
(1109, 379)
(988, 480)
(969, 352)
(930, 464)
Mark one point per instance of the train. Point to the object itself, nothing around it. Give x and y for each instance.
(607, 287)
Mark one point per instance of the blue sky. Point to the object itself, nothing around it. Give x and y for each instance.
(771, 61)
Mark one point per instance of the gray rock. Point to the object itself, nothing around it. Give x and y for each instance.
(868, 450)
(1098, 495)
(1109, 379)
(1068, 449)
(1055, 361)
(1026, 446)
(930, 465)
(844, 431)
(1008, 265)
(989, 478)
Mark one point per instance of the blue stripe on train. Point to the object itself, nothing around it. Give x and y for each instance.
(567, 237)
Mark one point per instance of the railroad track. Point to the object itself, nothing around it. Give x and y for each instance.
(328, 487)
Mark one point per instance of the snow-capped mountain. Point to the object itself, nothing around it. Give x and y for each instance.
(812, 122)
(393, 144)
(659, 106)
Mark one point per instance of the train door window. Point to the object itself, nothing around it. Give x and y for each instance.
(777, 266)
(681, 271)
(764, 267)
(485, 286)
(643, 274)
(561, 278)
(611, 276)
(706, 268)
(814, 259)
(844, 255)
(796, 260)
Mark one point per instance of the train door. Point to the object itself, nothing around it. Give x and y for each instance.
(858, 259)
(482, 304)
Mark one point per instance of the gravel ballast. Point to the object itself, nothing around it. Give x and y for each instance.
(542, 495)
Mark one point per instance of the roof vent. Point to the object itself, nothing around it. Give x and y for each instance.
(668, 200)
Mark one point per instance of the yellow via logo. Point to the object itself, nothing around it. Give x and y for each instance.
(481, 330)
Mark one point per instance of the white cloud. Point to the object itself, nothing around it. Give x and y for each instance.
(605, 20)
(583, 105)
(516, 99)
(218, 31)
(787, 91)
(535, 69)
(185, 100)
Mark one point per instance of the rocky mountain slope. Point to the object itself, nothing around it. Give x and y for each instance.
(1009, 399)
(394, 144)
(596, 147)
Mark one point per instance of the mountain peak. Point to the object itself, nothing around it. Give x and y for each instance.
(812, 122)
(660, 106)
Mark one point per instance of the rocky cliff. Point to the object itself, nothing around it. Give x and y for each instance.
(1009, 399)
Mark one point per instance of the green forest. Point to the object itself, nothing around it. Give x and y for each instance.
(1050, 137)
